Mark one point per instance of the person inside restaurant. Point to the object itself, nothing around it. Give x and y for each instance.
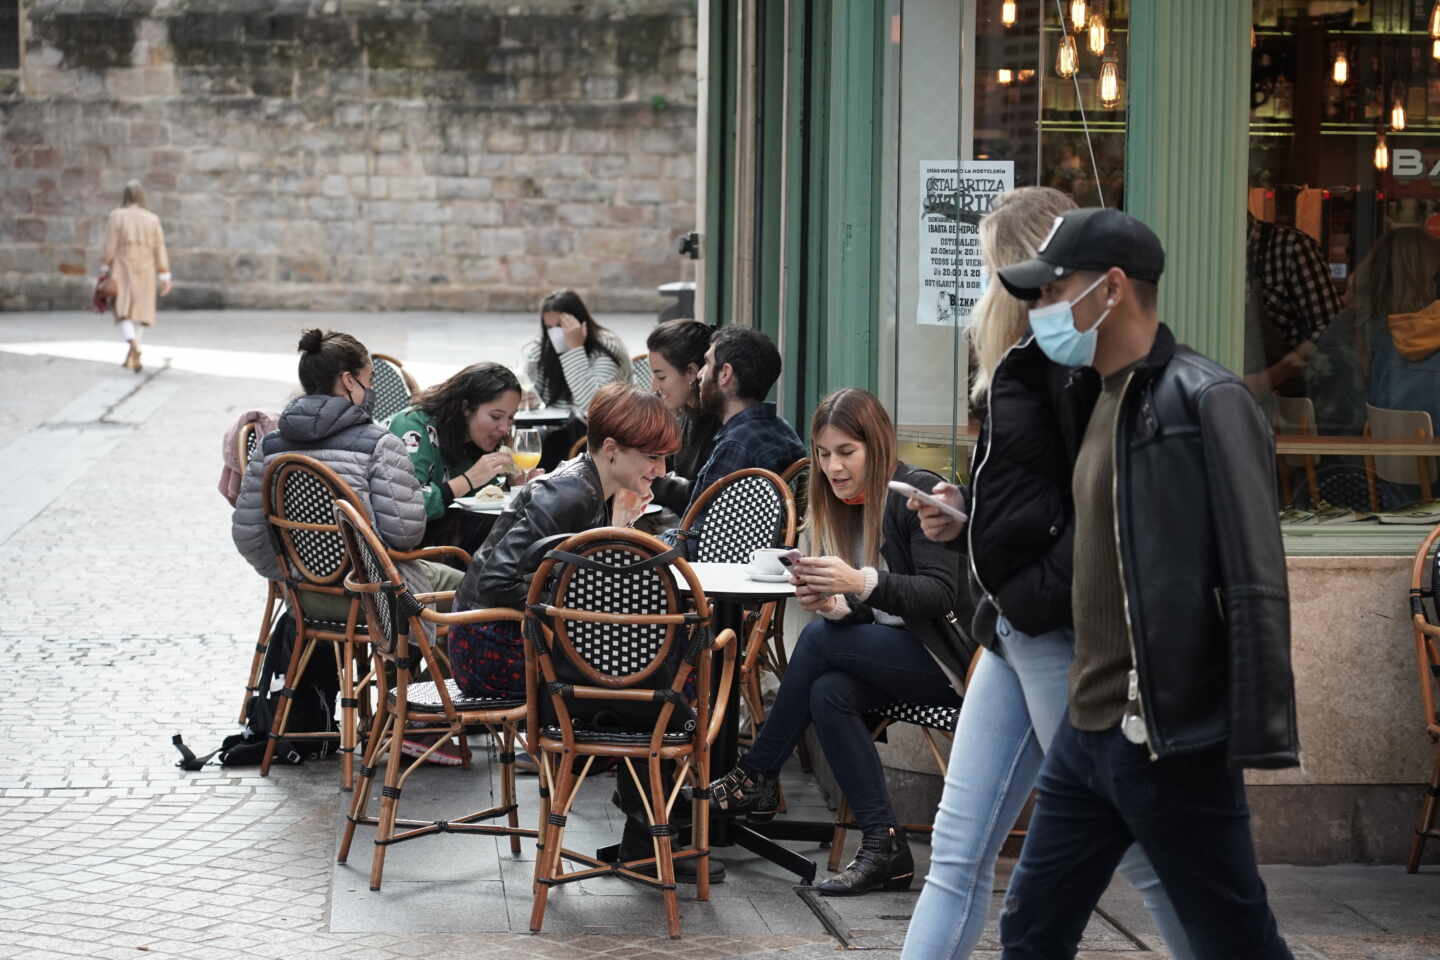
(571, 359)
(455, 433)
(884, 594)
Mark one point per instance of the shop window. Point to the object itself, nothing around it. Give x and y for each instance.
(983, 97)
(1342, 326)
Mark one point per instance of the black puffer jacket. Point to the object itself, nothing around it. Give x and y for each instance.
(1022, 516)
(568, 500)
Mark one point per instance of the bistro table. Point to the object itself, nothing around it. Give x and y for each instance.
(731, 590)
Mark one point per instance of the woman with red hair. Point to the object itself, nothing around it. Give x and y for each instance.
(630, 435)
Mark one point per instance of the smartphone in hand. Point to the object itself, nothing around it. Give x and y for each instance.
(915, 493)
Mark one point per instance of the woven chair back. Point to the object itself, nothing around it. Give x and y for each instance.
(641, 376)
(384, 598)
(247, 441)
(392, 390)
(739, 514)
(797, 478)
(297, 496)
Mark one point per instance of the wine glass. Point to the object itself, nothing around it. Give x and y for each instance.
(527, 449)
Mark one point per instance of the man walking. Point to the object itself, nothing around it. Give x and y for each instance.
(1182, 635)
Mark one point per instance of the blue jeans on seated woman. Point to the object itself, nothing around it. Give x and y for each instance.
(836, 675)
(1014, 706)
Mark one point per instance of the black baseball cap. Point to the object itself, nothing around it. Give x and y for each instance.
(1090, 239)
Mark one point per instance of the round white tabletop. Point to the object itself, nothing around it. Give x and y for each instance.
(732, 581)
(542, 416)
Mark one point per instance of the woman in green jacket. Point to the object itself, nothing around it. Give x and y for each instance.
(453, 433)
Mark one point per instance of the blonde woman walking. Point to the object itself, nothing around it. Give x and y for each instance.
(136, 261)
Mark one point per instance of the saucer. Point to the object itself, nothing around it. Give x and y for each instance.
(768, 577)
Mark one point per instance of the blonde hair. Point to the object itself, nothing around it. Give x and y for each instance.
(134, 193)
(1011, 232)
(855, 413)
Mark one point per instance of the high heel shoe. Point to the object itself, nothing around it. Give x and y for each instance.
(136, 363)
(129, 362)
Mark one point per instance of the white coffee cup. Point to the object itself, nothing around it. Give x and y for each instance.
(766, 561)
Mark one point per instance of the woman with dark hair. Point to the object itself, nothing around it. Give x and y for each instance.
(884, 594)
(630, 435)
(136, 262)
(677, 352)
(572, 358)
(453, 433)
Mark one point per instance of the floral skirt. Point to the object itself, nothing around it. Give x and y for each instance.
(488, 659)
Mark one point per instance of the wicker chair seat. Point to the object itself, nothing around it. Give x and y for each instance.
(423, 697)
(920, 714)
(334, 626)
(627, 738)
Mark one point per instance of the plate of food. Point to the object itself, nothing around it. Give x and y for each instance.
(489, 499)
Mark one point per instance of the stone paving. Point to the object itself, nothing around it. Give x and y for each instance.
(127, 617)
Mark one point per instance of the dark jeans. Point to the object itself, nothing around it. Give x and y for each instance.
(836, 675)
(1099, 792)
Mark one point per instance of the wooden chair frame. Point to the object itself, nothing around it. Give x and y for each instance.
(843, 821)
(547, 632)
(1427, 661)
(386, 600)
(247, 442)
(294, 574)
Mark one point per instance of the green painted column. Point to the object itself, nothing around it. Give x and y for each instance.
(848, 346)
(1186, 161)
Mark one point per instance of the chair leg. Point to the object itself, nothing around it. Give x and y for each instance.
(390, 795)
(1370, 484)
(1426, 827)
(348, 721)
(664, 850)
(298, 658)
(360, 803)
(507, 783)
(547, 861)
(262, 646)
(700, 825)
(837, 839)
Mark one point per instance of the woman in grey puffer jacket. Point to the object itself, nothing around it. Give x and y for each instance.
(332, 424)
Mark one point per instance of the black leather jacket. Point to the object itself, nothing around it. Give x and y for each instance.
(1201, 557)
(924, 582)
(568, 500)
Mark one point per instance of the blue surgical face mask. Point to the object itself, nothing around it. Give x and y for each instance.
(1054, 330)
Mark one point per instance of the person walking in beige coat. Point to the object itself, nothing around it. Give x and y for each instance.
(136, 261)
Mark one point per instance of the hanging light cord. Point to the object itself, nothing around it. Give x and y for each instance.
(1084, 121)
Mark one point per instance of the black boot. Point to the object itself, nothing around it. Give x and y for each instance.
(745, 791)
(883, 862)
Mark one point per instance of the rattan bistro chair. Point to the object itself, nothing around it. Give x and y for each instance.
(394, 618)
(297, 495)
(610, 646)
(247, 441)
(1425, 616)
(392, 384)
(735, 516)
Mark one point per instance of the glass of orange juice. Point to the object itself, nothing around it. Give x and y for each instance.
(527, 448)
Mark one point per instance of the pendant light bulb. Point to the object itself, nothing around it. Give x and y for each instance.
(1109, 83)
(1007, 13)
(1382, 153)
(1397, 116)
(1067, 59)
(1079, 11)
(1435, 21)
(1098, 33)
(1004, 75)
(1340, 69)
(1435, 50)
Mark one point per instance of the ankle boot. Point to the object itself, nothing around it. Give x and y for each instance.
(883, 862)
(741, 791)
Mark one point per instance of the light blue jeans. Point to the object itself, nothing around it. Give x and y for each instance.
(1013, 707)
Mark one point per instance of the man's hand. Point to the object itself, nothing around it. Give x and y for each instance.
(936, 524)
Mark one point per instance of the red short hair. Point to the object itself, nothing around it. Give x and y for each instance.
(633, 418)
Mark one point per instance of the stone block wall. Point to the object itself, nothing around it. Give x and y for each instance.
(354, 154)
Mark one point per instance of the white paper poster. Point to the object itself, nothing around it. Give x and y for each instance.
(953, 198)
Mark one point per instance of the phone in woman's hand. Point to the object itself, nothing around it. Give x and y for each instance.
(788, 560)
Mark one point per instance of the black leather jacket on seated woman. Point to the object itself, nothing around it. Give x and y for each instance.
(924, 580)
(568, 500)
